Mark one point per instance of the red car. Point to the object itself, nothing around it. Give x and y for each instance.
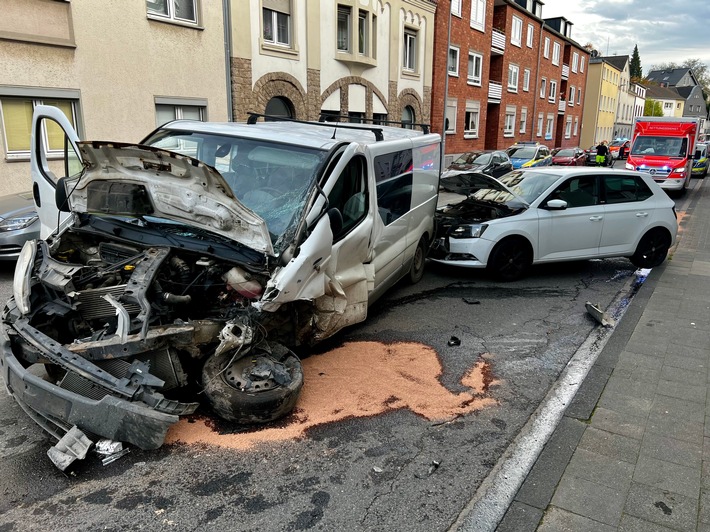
(568, 157)
(619, 149)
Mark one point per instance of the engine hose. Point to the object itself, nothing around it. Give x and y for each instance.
(183, 270)
(175, 299)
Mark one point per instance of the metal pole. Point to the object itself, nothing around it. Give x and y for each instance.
(226, 14)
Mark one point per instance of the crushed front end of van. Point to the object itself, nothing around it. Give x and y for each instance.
(166, 280)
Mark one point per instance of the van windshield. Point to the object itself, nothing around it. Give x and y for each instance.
(660, 146)
(270, 178)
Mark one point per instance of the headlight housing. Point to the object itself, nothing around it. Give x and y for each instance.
(629, 166)
(468, 231)
(15, 223)
(679, 170)
(23, 275)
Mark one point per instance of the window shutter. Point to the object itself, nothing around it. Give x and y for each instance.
(282, 6)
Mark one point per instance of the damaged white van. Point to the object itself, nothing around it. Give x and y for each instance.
(193, 261)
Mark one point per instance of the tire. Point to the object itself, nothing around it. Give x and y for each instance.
(652, 249)
(416, 271)
(265, 399)
(510, 259)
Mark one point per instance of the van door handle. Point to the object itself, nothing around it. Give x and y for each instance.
(641, 214)
(595, 218)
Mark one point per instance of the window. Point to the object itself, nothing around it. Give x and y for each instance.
(17, 125)
(513, 72)
(618, 189)
(546, 50)
(568, 127)
(555, 53)
(523, 119)
(540, 119)
(363, 32)
(279, 106)
(165, 112)
(409, 61)
(478, 14)
(453, 65)
(475, 68)
(456, 7)
(668, 105)
(677, 106)
(509, 128)
(349, 194)
(578, 191)
(553, 90)
(576, 125)
(548, 127)
(581, 64)
(393, 176)
(277, 23)
(408, 117)
(579, 96)
(183, 11)
(516, 34)
(356, 117)
(575, 61)
(526, 79)
(571, 96)
(344, 14)
(450, 125)
(470, 127)
(530, 36)
(543, 87)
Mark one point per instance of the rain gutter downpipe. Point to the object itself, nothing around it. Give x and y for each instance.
(446, 96)
(227, 16)
(537, 82)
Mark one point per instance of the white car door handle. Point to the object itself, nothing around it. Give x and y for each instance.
(595, 218)
(641, 214)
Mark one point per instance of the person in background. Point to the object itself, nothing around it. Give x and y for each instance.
(602, 152)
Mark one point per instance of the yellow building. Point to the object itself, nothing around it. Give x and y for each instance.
(600, 102)
(117, 71)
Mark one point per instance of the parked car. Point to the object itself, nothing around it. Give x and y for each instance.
(592, 157)
(569, 157)
(619, 149)
(164, 272)
(540, 215)
(18, 224)
(529, 154)
(495, 163)
(700, 160)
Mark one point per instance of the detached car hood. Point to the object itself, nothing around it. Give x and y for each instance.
(132, 180)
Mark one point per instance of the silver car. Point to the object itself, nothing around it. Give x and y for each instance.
(18, 224)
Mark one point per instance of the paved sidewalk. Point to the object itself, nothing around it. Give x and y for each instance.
(632, 452)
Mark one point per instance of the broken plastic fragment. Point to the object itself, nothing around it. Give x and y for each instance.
(73, 445)
(106, 446)
(454, 340)
(115, 456)
(599, 315)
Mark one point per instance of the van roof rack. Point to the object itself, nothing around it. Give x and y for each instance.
(325, 117)
(253, 117)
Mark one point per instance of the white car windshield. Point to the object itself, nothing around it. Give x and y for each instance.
(272, 179)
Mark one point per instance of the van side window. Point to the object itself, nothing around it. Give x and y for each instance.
(393, 175)
(349, 195)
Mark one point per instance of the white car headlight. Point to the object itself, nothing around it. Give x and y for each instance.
(16, 223)
(469, 231)
(23, 274)
(679, 170)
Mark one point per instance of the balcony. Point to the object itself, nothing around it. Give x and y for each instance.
(565, 71)
(497, 42)
(561, 107)
(495, 92)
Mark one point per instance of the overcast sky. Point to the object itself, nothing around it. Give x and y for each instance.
(664, 30)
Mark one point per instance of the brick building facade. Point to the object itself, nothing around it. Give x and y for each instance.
(512, 76)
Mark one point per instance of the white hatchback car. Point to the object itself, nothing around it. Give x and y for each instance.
(533, 216)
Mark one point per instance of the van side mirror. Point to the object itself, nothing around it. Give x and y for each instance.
(336, 221)
(61, 198)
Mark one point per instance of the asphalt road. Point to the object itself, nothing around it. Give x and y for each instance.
(397, 468)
